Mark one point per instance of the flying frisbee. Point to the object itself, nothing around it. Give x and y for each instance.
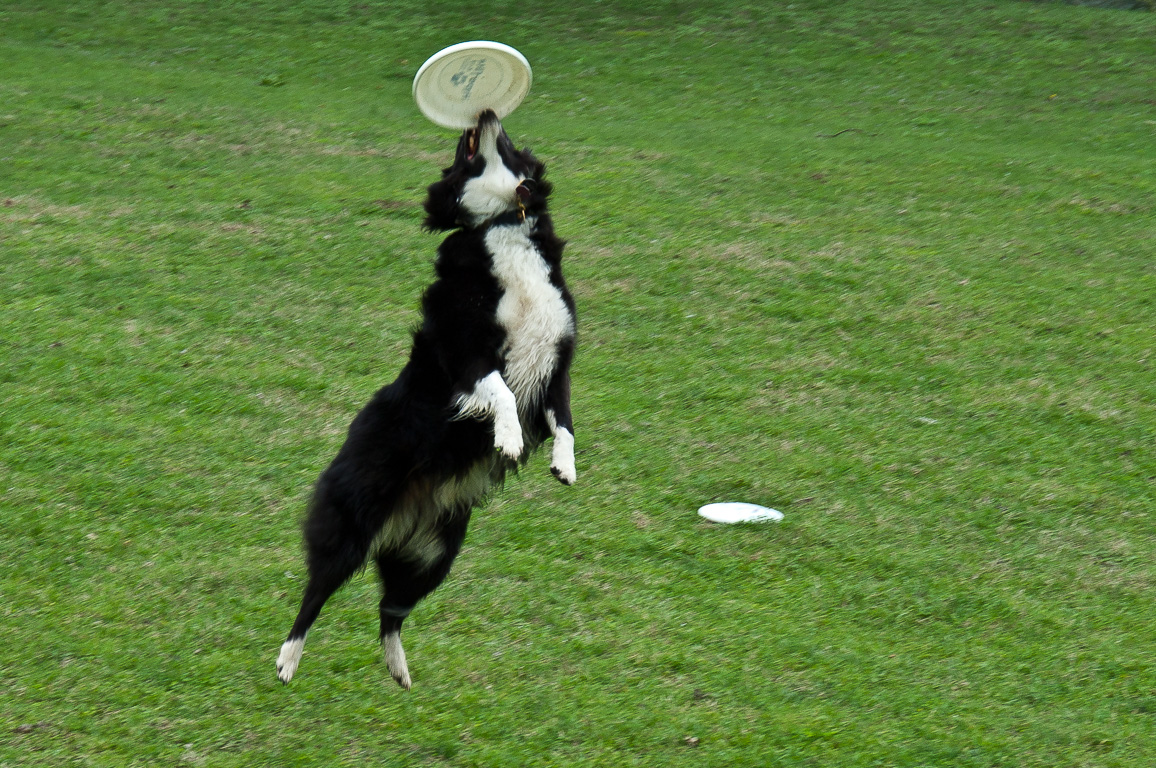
(739, 512)
(457, 83)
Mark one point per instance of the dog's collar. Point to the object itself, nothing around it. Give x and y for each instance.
(509, 218)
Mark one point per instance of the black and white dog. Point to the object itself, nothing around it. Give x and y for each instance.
(486, 383)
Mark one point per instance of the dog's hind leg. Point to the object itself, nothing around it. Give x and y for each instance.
(317, 592)
(333, 556)
(406, 578)
(322, 584)
(391, 620)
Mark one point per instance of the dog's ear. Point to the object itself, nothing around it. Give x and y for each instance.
(441, 202)
(537, 171)
(540, 189)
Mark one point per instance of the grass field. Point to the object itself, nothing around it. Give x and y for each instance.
(888, 267)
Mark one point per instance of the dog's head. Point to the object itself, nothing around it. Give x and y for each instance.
(489, 178)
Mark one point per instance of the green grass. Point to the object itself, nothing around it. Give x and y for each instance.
(927, 339)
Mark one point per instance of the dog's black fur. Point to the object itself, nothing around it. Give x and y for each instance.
(427, 447)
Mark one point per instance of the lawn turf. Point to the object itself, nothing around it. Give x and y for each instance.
(887, 267)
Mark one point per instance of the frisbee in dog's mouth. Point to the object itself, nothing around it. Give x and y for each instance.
(458, 83)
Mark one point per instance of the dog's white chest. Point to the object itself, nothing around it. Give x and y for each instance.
(531, 310)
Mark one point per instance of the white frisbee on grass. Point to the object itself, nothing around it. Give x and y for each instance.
(739, 512)
(458, 83)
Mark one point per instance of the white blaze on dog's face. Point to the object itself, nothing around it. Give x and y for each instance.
(490, 177)
(495, 191)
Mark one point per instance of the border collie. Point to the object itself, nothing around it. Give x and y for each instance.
(486, 383)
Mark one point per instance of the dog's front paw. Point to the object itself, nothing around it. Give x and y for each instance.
(565, 475)
(508, 439)
(562, 459)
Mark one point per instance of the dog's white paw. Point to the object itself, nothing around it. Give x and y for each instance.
(508, 438)
(565, 475)
(562, 459)
(395, 659)
(289, 658)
